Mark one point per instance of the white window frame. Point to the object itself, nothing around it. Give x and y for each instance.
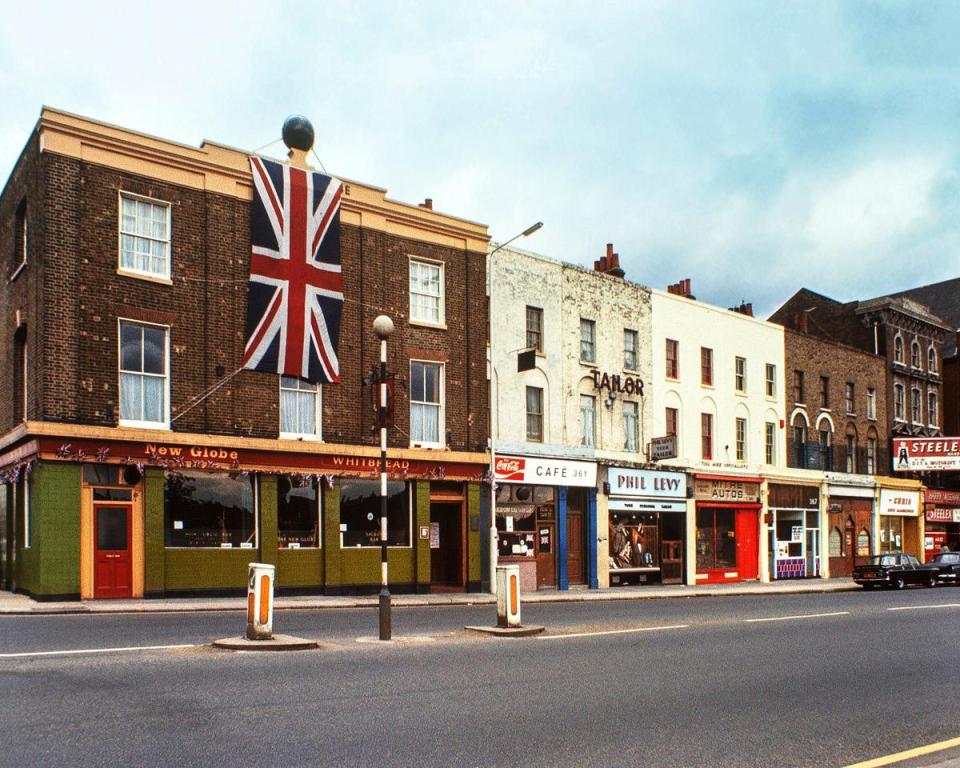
(592, 442)
(916, 405)
(740, 375)
(932, 366)
(588, 323)
(771, 381)
(536, 312)
(634, 434)
(871, 456)
(441, 415)
(899, 402)
(136, 423)
(317, 434)
(916, 354)
(898, 349)
(168, 242)
(850, 398)
(441, 320)
(529, 413)
(740, 439)
(871, 403)
(933, 409)
(770, 442)
(629, 333)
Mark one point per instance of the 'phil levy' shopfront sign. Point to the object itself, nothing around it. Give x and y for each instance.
(535, 471)
(647, 483)
(924, 453)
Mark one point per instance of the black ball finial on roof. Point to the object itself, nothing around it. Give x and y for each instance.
(298, 133)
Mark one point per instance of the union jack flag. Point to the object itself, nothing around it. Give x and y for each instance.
(295, 293)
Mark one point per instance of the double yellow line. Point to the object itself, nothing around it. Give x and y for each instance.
(907, 754)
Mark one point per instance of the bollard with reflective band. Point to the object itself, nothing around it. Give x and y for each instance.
(508, 595)
(260, 582)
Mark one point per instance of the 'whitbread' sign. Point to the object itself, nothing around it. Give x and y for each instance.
(911, 454)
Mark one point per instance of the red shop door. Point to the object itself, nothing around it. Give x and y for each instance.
(746, 525)
(112, 567)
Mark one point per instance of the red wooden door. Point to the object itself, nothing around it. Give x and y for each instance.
(746, 531)
(575, 547)
(112, 566)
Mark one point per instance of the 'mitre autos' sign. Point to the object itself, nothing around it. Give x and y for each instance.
(924, 453)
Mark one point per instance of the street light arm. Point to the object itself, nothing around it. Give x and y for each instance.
(528, 231)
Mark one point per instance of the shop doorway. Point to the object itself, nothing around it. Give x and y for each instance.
(671, 548)
(576, 505)
(746, 532)
(112, 563)
(447, 547)
(546, 555)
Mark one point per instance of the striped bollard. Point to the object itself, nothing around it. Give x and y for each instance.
(260, 578)
(508, 595)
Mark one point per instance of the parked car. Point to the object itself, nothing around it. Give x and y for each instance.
(895, 570)
(948, 564)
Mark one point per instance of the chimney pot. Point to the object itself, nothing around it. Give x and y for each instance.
(609, 249)
(428, 204)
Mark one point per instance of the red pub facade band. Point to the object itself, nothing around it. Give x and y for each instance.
(205, 398)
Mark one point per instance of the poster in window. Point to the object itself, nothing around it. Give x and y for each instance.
(434, 535)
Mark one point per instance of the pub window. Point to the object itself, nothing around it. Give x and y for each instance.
(426, 404)
(299, 408)
(209, 509)
(629, 349)
(426, 292)
(360, 513)
(144, 361)
(144, 236)
(298, 512)
(535, 328)
(706, 366)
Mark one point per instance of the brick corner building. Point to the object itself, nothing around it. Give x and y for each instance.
(140, 460)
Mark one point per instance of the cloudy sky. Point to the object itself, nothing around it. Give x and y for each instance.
(754, 147)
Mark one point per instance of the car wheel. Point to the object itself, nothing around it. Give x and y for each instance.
(897, 582)
(932, 580)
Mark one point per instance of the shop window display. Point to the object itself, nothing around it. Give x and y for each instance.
(716, 539)
(633, 541)
(519, 509)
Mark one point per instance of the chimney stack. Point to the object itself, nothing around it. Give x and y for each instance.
(743, 309)
(681, 288)
(609, 264)
(428, 204)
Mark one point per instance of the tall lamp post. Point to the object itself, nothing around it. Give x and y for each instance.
(383, 327)
(493, 459)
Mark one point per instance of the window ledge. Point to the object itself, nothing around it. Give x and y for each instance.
(150, 278)
(144, 424)
(427, 324)
(300, 437)
(428, 446)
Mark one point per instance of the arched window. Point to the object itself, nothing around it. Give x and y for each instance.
(898, 349)
(836, 543)
(915, 354)
(932, 360)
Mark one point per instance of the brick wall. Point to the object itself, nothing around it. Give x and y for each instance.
(205, 307)
(841, 364)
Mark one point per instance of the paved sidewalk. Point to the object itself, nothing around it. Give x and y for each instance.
(14, 604)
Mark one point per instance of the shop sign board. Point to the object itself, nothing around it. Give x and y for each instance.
(647, 483)
(924, 453)
(793, 496)
(535, 471)
(705, 489)
(663, 448)
(941, 515)
(944, 498)
(901, 503)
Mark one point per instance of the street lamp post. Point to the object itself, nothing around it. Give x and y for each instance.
(383, 327)
(493, 459)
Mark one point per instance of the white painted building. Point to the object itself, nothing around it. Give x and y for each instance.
(717, 384)
(583, 398)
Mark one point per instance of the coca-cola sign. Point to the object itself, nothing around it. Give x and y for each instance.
(530, 470)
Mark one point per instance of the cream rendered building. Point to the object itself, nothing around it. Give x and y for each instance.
(718, 385)
(573, 404)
